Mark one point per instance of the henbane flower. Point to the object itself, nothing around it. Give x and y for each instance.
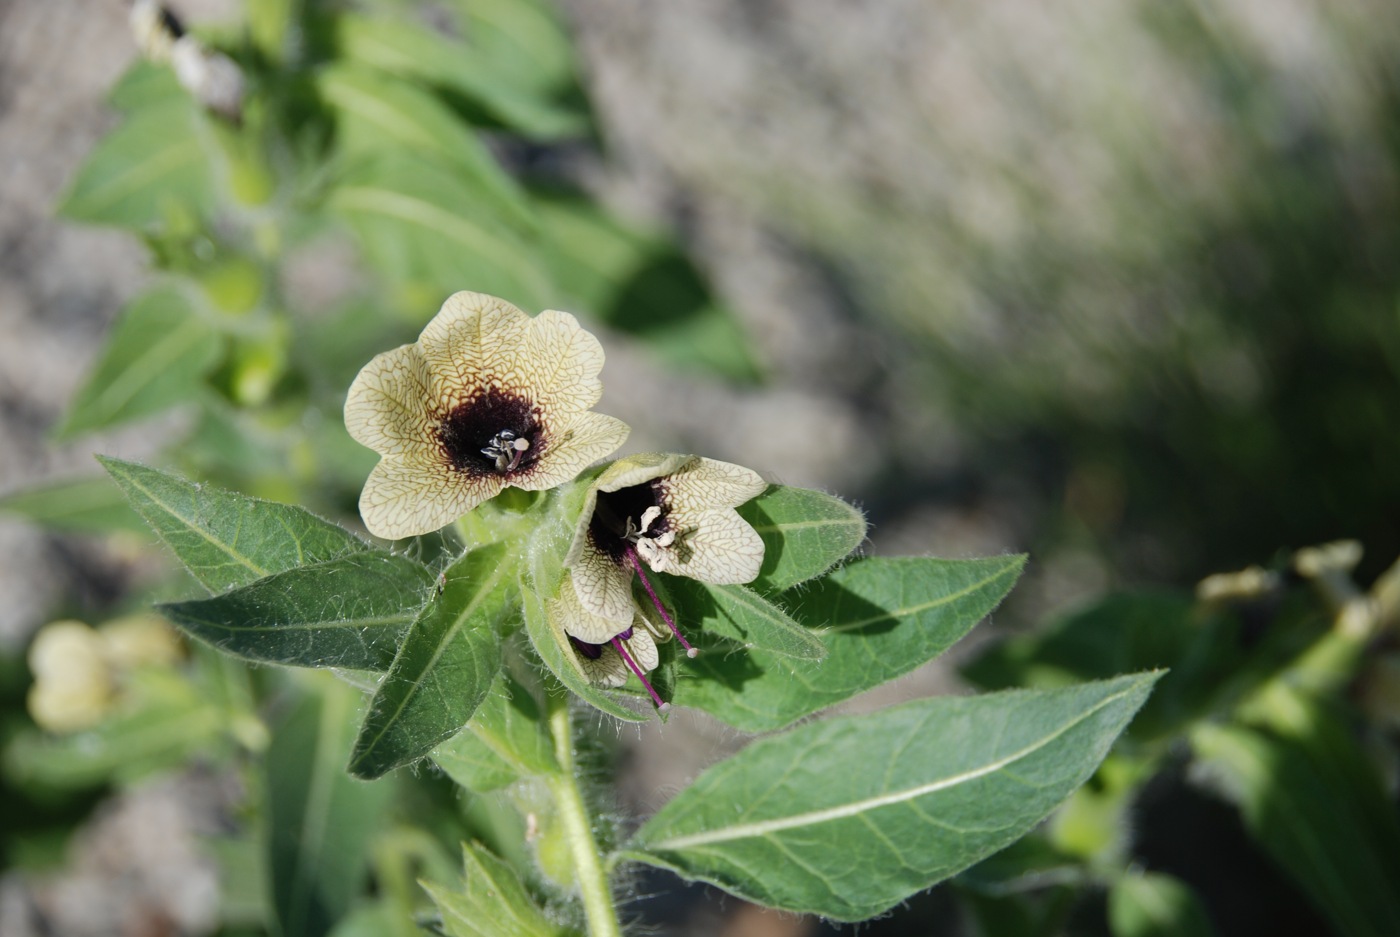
(672, 513)
(488, 397)
(604, 653)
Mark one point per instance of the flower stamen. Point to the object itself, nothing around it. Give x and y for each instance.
(621, 648)
(507, 449)
(631, 555)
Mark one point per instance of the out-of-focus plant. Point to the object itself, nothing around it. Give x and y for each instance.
(1280, 704)
(243, 155)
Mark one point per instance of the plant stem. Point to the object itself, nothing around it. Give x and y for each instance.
(573, 812)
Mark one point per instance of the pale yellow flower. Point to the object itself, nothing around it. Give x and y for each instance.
(672, 513)
(606, 654)
(488, 397)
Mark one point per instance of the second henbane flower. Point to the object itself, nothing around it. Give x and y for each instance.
(672, 513)
(488, 397)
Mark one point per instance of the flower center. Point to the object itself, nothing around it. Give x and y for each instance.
(628, 516)
(493, 433)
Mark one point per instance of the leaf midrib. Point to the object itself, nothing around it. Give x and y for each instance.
(275, 628)
(901, 613)
(487, 588)
(190, 525)
(855, 808)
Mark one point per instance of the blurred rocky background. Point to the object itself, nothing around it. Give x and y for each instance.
(1115, 284)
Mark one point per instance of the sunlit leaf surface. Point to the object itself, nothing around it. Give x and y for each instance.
(227, 539)
(804, 533)
(849, 816)
(342, 613)
(445, 666)
(879, 619)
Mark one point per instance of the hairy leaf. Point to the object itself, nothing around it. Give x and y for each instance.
(224, 538)
(745, 617)
(444, 668)
(879, 619)
(804, 533)
(849, 816)
(505, 739)
(155, 358)
(342, 613)
(319, 820)
(493, 901)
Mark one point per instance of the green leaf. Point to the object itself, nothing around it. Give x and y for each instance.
(145, 84)
(155, 358)
(1155, 905)
(493, 901)
(376, 112)
(227, 539)
(421, 224)
(342, 613)
(1121, 633)
(804, 533)
(847, 817)
(523, 42)
(444, 668)
(506, 738)
(402, 48)
(1312, 801)
(319, 820)
(745, 617)
(154, 164)
(879, 619)
(89, 505)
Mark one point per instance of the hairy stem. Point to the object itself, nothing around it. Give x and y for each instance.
(573, 812)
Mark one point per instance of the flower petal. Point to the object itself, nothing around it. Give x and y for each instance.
(586, 438)
(474, 341)
(639, 468)
(717, 546)
(406, 498)
(609, 670)
(603, 587)
(561, 362)
(706, 484)
(387, 406)
(578, 621)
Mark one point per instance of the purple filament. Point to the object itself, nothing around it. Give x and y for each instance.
(661, 705)
(665, 616)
